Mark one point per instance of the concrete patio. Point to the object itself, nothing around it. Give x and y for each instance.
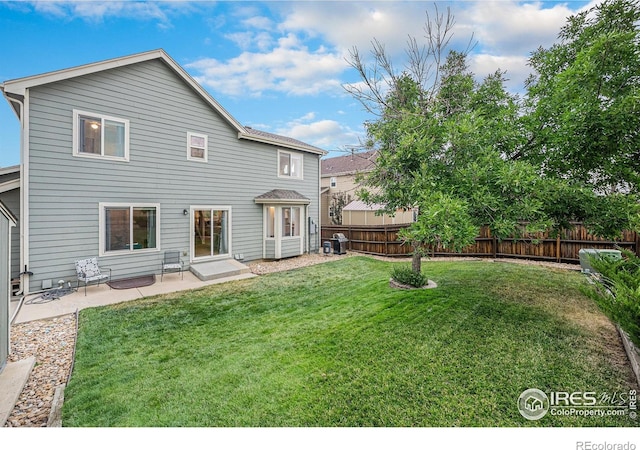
(34, 309)
(14, 376)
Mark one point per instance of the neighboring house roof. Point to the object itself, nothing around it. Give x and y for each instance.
(359, 205)
(9, 178)
(349, 164)
(282, 196)
(15, 90)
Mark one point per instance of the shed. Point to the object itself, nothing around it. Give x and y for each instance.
(360, 213)
(10, 196)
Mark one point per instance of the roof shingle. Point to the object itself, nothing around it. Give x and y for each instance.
(283, 140)
(282, 196)
(349, 164)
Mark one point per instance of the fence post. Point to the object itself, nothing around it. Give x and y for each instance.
(386, 242)
(558, 253)
(494, 246)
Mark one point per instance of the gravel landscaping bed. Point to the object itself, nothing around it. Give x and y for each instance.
(52, 341)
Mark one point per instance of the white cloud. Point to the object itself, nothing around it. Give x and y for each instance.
(509, 31)
(348, 24)
(289, 67)
(249, 40)
(516, 68)
(97, 10)
(259, 22)
(506, 31)
(326, 134)
(508, 27)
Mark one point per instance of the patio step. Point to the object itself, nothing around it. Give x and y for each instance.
(213, 270)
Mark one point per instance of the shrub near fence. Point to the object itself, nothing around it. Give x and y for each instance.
(382, 240)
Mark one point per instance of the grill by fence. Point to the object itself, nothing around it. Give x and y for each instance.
(383, 240)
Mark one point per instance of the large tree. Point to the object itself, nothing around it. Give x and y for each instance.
(584, 100)
(442, 140)
(454, 149)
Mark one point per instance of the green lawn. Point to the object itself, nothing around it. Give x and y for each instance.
(333, 345)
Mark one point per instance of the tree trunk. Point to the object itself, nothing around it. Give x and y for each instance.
(416, 262)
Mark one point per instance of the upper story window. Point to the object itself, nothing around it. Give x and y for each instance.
(197, 147)
(100, 136)
(289, 165)
(333, 182)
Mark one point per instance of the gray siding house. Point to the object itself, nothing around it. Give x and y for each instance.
(126, 158)
(7, 221)
(10, 196)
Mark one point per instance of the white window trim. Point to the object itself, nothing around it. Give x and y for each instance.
(227, 255)
(299, 155)
(333, 182)
(206, 147)
(76, 135)
(103, 238)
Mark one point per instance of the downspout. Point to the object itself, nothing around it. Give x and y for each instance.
(24, 188)
(319, 231)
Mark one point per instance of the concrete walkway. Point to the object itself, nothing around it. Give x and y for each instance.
(12, 381)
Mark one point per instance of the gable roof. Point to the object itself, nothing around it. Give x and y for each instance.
(349, 164)
(276, 139)
(359, 205)
(282, 196)
(16, 90)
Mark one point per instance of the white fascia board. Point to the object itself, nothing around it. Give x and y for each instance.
(5, 211)
(10, 169)
(9, 185)
(20, 85)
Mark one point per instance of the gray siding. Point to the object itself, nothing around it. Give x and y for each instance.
(5, 230)
(65, 190)
(290, 247)
(11, 200)
(270, 249)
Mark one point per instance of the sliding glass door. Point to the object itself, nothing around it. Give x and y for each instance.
(210, 232)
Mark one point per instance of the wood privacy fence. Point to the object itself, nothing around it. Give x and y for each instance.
(383, 240)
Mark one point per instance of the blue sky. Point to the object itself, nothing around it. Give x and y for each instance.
(277, 66)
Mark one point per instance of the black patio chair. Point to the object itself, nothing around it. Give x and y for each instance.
(172, 263)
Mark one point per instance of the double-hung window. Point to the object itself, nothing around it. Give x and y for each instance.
(289, 164)
(100, 136)
(197, 147)
(128, 228)
(290, 221)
